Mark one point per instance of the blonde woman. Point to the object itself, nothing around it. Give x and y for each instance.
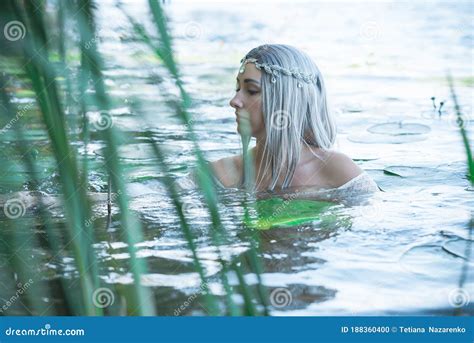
(280, 100)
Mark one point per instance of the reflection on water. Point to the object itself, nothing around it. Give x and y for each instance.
(402, 252)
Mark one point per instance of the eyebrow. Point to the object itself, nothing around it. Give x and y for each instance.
(250, 80)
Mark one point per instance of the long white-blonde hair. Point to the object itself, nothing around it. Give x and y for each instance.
(294, 106)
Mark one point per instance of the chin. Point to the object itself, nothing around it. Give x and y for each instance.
(240, 129)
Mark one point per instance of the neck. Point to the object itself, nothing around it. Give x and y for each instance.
(259, 149)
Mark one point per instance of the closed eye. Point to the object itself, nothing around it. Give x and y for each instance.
(251, 92)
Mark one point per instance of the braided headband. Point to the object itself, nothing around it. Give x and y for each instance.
(275, 70)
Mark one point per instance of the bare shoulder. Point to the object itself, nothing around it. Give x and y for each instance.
(339, 168)
(228, 170)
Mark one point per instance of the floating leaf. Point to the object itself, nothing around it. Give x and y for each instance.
(368, 138)
(399, 128)
(388, 172)
(406, 171)
(430, 261)
(460, 247)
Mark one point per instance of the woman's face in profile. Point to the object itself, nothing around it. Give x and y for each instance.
(247, 102)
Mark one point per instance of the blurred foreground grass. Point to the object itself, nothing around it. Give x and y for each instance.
(36, 62)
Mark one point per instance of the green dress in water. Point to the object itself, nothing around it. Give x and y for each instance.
(277, 212)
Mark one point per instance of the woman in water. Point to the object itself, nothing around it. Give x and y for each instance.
(280, 100)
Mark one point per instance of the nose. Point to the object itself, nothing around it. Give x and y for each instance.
(235, 102)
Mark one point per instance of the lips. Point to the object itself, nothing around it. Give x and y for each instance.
(240, 116)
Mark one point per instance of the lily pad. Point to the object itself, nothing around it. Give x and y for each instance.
(370, 138)
(406, 171)
(365, 158)
(461, 248)
(399, 129)
(423, 175)
(431, 261)
(277, 212)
